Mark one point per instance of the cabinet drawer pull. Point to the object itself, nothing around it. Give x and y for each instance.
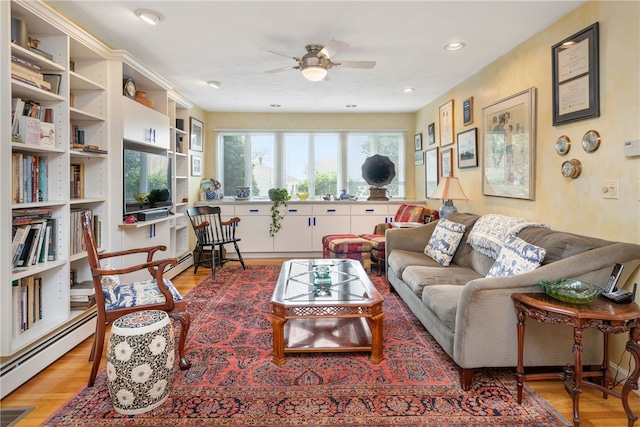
(369, 210)
(254, 210)
(293, 210)
(331, 210)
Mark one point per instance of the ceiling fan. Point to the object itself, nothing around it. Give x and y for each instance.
(316, 63)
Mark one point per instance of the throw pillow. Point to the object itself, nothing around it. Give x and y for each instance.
(109, 284)
(516, 257)
(444, 241)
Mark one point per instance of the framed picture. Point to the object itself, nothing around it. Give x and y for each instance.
(576, 77)
(196, 165)
(417, 141)
(196, 133)
(508, 149)
(467, 111)
(468, 149)
(446, 162)
(445, 123)
(418, 158)
(431, 134)
(431, 175)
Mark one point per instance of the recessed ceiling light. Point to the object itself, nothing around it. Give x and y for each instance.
(454, 46)
(408, 90)
(275, 105)
(149, 16)
(214, 83)
(351, 105)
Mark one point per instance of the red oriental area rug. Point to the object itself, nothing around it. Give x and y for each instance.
(232, 381)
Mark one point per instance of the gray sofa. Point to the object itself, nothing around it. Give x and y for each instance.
(472, 316)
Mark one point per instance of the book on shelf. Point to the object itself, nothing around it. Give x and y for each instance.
(76, 241)
(25, 62)
(83, 304)
(81, 291)
(41, 53)
(52, 248)
(17, 245)
(54, 81)
(76, 177)
(25, 70)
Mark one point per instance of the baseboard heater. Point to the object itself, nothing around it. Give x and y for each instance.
(50, 349)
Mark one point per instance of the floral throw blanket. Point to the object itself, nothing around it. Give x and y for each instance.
(490, 232)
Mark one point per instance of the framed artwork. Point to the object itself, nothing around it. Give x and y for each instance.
(508, 149)
(445, 123)
(576, 77)
(418, 158)
(431, 175)
(196, 165)
(446, 162)
(467, 111)
(417, 141)
(431, 134)
(196, 132)
(468, 149)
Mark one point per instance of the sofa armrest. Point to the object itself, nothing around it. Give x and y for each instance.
(486, 302)
(409, 239)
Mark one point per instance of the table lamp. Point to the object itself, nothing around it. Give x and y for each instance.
(448, 189)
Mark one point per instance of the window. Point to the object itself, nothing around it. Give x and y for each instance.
(318, 162)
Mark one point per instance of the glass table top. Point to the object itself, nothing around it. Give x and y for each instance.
(333, 281)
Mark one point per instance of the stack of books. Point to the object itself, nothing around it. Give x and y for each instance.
(83, 295)
(27, 72)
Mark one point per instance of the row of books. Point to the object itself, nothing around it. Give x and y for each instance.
(33, 243)
(76, 238)
(27, 307)
(30, 181)
(31, 123)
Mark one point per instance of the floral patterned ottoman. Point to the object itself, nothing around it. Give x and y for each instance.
(140, 361)
(347, 246)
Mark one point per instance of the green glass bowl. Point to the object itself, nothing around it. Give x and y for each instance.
(571, 290)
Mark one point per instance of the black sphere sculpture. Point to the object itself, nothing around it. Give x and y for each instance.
(378, 171)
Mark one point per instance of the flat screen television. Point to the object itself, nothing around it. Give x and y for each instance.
(147, 181)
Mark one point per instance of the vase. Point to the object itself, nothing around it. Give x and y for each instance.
(141, 97)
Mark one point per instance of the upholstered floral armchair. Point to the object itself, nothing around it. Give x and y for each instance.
(406, 214)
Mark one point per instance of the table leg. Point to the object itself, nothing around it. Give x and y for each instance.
(578, 333)
(633, 347)
(277, 323)
(520, 368)
(375, 324)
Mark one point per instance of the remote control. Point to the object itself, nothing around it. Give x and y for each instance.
(613, 279)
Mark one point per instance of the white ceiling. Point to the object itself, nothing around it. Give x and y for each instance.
(228, 40)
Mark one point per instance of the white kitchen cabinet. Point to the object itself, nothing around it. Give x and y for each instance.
(296, 232)
(253, 228)
(365, 217)
(329, 218)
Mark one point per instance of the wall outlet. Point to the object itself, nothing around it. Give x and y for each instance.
(610, 189)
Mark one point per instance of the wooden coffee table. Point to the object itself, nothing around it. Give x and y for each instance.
(325, 305)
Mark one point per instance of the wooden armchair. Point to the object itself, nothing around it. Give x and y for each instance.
(115, 299)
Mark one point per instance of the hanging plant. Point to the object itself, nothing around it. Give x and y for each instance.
(279, 197)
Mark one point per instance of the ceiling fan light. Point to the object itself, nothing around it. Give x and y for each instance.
(149, 16)
(314, 73)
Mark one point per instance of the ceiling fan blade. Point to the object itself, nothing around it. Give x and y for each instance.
(277, 70)
(355, 64)
(332, 48)
(277, 52)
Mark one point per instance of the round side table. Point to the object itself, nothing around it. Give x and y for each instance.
(140, 361)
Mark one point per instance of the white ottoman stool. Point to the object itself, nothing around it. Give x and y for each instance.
(140, 361)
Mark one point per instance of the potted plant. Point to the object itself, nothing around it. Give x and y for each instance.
(279, 197)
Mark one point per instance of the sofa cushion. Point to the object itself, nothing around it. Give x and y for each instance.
(398, 260)
(444, 241)
(516, 257)
(463, 254)
(419, 277)
(559, 245)
(443, 301)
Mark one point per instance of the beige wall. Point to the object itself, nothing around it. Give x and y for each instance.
(565, 204)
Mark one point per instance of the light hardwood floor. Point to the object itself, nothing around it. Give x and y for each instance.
(53, 387)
